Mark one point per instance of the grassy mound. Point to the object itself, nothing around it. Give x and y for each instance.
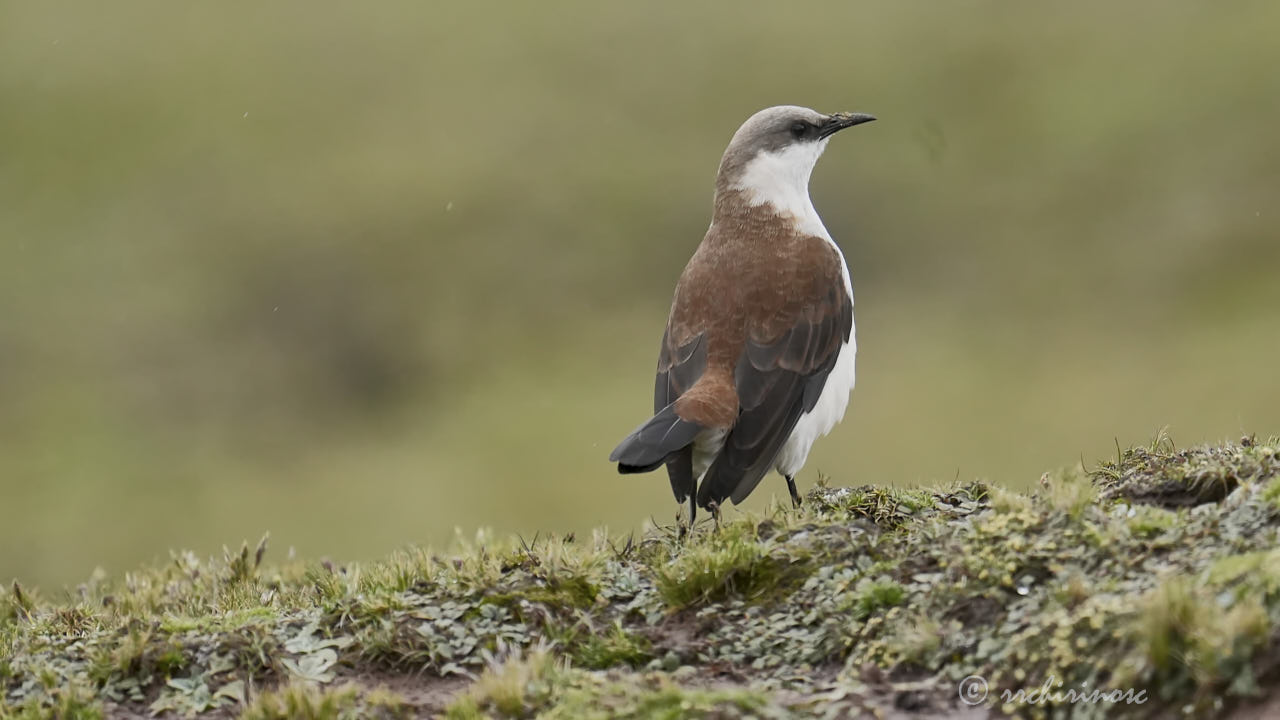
(1148, 586)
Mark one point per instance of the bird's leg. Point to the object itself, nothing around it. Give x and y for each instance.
(795, 496)
(681, 528)
(714, 507)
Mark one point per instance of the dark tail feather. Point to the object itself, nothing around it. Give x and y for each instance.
(680, 471)
(723, 482)
(654, 442)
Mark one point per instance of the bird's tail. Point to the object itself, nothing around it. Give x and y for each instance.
(650, 445)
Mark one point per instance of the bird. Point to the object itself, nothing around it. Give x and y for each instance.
(757, 358)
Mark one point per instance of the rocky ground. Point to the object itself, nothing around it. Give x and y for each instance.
(1148, 587)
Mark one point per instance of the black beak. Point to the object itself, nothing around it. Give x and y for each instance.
(840, 121)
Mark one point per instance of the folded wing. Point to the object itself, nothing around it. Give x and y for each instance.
(779, 376)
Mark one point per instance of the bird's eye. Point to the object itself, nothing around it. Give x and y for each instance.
(799, 129)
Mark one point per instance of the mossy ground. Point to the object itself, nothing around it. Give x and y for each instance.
(1156, 573)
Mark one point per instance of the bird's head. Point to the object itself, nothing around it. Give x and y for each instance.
(772, 155)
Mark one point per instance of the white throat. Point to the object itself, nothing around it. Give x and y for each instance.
(781, 179)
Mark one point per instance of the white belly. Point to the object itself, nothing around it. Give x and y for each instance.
(830, 408)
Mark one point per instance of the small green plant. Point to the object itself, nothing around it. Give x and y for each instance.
(1184, 636)
(304, 701)
(1004, 500)
(876, 595)
(1248, 573)
(405, 569)
(916, 639)
(17, 605)
(1069, 491)
(514, 687)
(242, 566)
(70, 703)
(139, 653)
(725, 564)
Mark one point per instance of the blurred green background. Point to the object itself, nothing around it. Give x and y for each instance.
(363, 275)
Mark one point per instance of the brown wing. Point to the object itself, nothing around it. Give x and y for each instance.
(679, 367)
(779, 376)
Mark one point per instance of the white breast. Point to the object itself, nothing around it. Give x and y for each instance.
(781, 179)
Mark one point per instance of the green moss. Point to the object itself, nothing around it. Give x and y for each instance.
(534, 687)
(218, 622)
(579, 591)
(576, 593)
(600, 650)
(657, 699)
(884, 506)
(1271, 492)
(728, 564)
(1149, 522)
